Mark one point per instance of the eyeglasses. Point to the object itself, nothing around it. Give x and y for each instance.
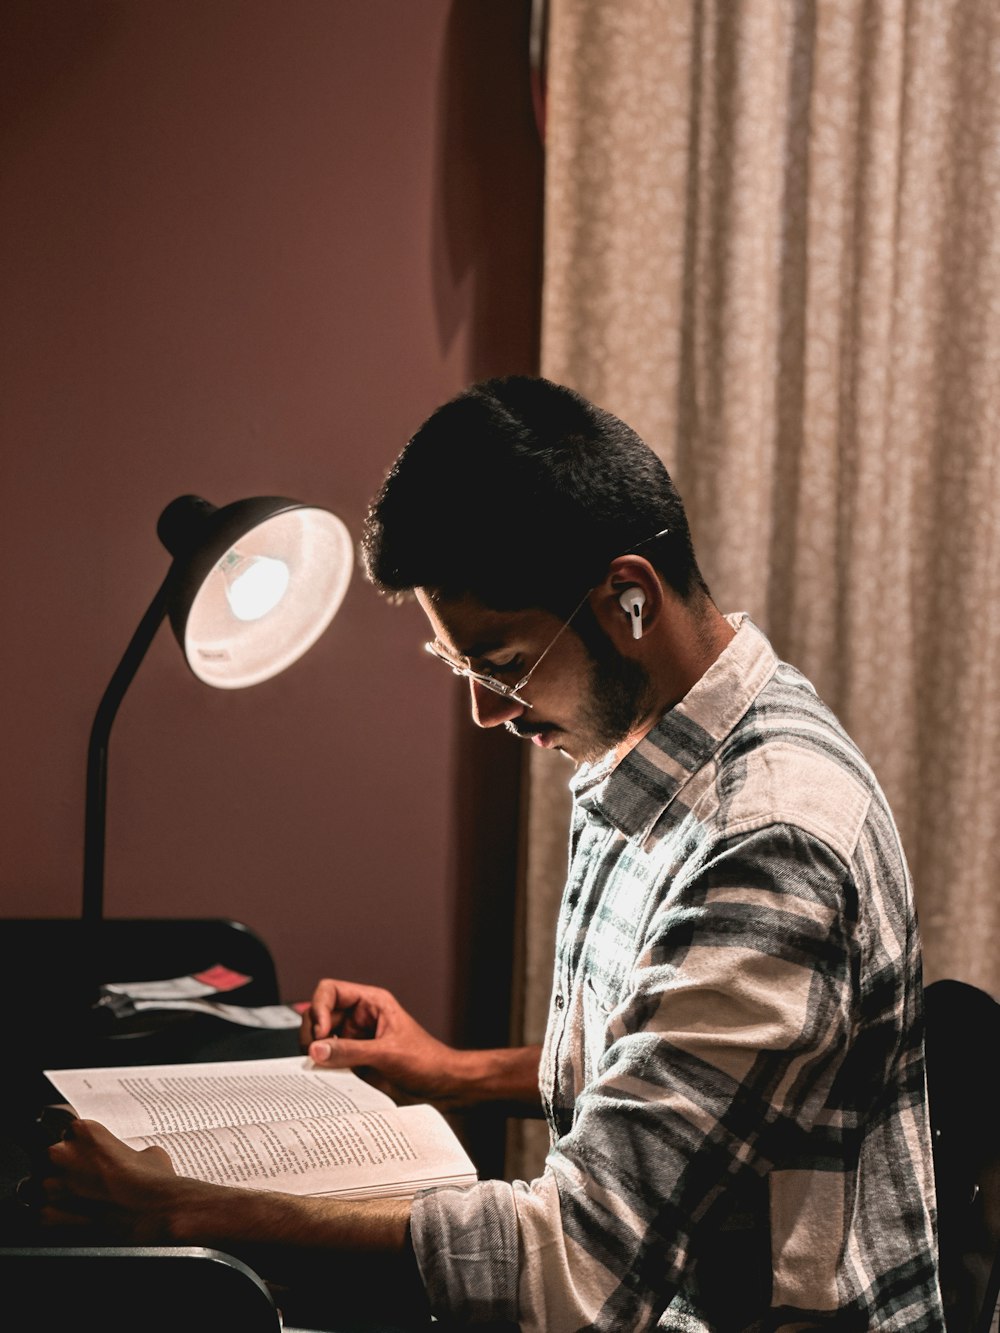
(513, 692)
(488, 682)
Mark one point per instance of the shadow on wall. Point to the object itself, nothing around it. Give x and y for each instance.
(483, 194)
(72, 36)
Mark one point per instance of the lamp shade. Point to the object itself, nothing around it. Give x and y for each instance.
(253, 584)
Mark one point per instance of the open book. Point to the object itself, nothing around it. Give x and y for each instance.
(281, 1124)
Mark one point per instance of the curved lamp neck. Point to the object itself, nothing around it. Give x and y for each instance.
(97, 752)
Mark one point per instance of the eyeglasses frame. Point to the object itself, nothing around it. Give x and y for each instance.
(513, 692)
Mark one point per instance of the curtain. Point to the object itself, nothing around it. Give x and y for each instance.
(772, 245)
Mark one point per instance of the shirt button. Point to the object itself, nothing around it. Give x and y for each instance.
(560, 1002)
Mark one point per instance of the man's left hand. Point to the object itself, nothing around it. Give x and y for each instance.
(95, 1178)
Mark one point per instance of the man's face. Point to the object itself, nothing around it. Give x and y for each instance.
(583, 702)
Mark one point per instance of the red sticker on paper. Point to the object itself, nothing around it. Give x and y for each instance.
(222, 978)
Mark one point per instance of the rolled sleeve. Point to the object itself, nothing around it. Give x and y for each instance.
(467, 1249)
(499, 1252)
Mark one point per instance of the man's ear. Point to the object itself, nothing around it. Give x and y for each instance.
(628, 601)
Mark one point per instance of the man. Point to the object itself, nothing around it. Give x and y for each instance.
(733, 1069)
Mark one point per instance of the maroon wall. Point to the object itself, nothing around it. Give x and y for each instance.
(247, 246)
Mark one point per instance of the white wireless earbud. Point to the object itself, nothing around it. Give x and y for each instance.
(632, 601)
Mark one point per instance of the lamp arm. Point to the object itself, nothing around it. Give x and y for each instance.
(97, 751)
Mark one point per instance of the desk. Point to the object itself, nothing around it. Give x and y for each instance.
(199, 1037)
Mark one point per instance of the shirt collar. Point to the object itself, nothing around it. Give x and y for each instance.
(631, 793)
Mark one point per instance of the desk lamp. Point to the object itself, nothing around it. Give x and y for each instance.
(251, 588)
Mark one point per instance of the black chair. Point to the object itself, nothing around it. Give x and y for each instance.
(963, 1046)
(168, 1289)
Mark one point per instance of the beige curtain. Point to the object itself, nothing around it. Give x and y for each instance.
(773, 246)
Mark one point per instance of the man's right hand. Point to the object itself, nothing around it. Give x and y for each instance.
(352, 1026)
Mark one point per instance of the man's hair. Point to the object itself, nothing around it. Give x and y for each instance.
(520, 492)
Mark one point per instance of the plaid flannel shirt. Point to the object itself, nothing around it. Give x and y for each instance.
(733, 1067)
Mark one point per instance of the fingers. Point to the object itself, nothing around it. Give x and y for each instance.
(81, 1134)
(94, 1178)
(91, 1153)
(57, 1197)
(344, 1008)
(345, 1053)
(325, 1011)
(55, 1202)
(62, 1206)
(50, 1202)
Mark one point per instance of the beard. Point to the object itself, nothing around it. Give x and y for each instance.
(619, 696)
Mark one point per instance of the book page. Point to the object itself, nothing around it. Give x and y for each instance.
(137, 1100)
(370, 1153)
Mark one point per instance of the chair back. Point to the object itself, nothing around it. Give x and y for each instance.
(963, 1056)
(158, 1289)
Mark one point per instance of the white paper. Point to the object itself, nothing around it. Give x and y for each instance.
(281, 1124)
(155, 1099)
(248, 1016)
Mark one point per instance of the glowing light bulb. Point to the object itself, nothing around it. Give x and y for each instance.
(255, 584)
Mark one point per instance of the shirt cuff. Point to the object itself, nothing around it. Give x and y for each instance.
(466, 1246)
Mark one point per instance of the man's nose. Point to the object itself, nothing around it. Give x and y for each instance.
(490, 709)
